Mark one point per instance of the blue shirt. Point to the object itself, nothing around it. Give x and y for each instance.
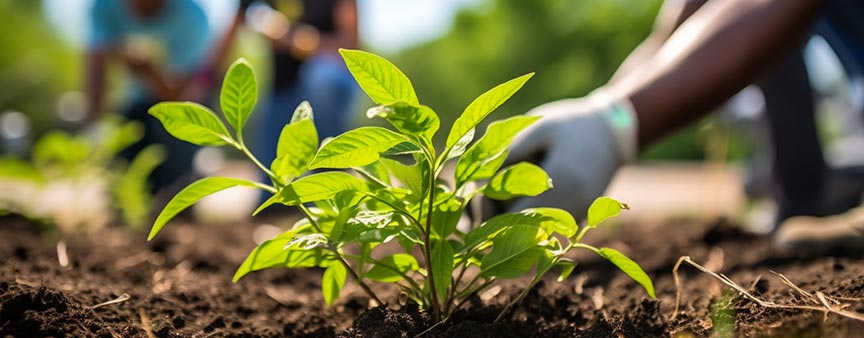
(177, 37)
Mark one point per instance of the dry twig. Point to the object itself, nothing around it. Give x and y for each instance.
(145, 323)
(819, 297)
(124, 297)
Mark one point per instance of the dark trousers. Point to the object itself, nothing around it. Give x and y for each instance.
(803, 183)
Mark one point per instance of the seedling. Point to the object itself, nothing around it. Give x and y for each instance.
(395, 193)
(84, 165)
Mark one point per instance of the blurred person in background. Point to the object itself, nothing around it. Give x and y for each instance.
(699, 55)
(305, 36)
(166, 48)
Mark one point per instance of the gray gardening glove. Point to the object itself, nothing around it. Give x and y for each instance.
(580, 143)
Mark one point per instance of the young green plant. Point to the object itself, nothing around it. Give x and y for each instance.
(385, 185)
(84, 164)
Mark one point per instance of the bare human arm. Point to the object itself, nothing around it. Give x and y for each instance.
(95, 85)
(671, 15)
(720, 49)
(162, 85)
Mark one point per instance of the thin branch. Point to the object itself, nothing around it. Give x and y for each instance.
(820, 298)
(357, 279)
(124, 297)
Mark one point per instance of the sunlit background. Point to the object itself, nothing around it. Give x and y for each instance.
(452, 50)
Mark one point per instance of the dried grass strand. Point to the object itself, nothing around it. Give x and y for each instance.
(819, 298)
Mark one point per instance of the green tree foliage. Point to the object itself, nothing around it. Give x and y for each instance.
(573, 46)
(35, 66)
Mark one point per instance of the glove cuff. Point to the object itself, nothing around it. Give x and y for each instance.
(621, 118)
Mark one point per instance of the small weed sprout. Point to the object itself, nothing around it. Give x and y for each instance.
(391, 199)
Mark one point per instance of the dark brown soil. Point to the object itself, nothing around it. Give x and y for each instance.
(180, 286)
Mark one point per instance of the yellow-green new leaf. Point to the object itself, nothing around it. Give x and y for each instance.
(332, 281)
(602, 209)
(629, 267)
(489, 148)
(514, 252)
(298, 143)
(482, 106)
(356, 148)
(191, 122)
(239, 93)
(381, 80)
(319, 187)
(554, 220)
(302, 112)
(442, 267)
(390, 269)
(273, 253)
(521, 179)
(413, 120)
(192, 194)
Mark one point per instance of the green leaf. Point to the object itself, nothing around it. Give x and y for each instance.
(320, 186)
(602, 209)
(544, 262)
(445, 216)
(272, 253)
(307, 241)
(489, 149)
(409, 119)
(391, 268)
(59, 148)
(553, 220)
(192, 194)
(131, 190)
(239, 93)
(442, 267)
(403, 148)
(369, 235)
(191, 122)
(302, 112)
(482, 106)
(114, 136)
(332, 281)
(270, 201)
(487, 230)
(514, 252)
(567, 267)
(461, 145)
(381, 80)
(19, 170)
(356, 148)
(629, 267)
(488, 168)
(521, 179)
(411, 176)
(297, 146)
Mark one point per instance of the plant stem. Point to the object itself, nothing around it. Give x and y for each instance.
(452, 292)
(335, 251)
(411, 218)
(579, 236)
(242, 148)
(357, 278)
(470, 294)
(521, 296)
(427, 240)
(539, 275)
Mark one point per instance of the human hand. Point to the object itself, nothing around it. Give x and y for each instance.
(580, 143)
(136, 62)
